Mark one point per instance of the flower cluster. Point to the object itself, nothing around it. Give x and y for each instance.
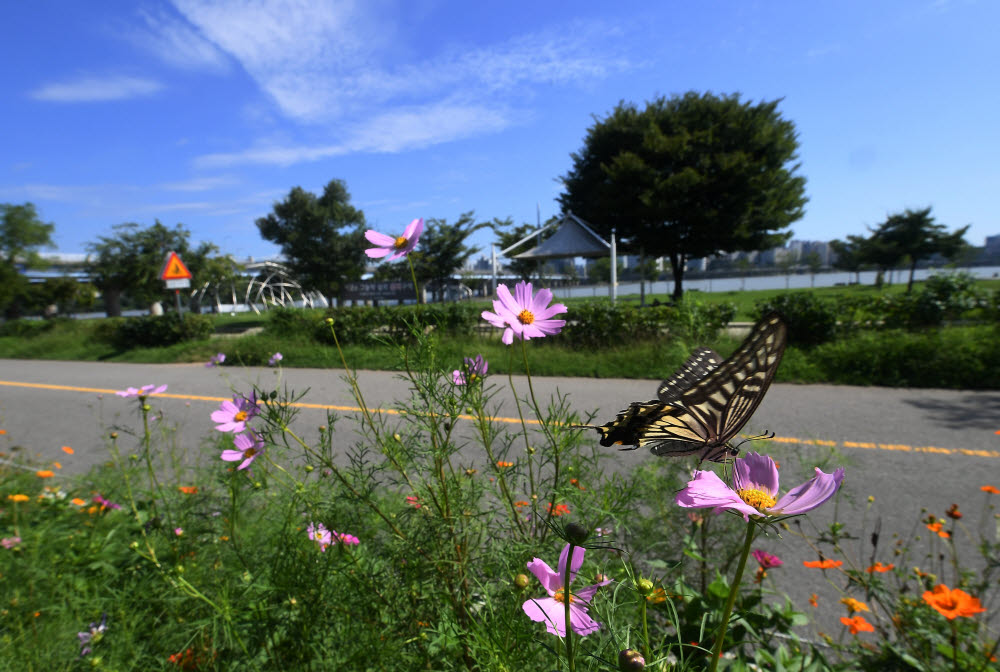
(233, 416)
(324, 537)
(473, 369)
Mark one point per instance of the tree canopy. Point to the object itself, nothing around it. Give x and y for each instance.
(914, 235)
(688, 176)
(22, 232)
(321, 238)
(129, 262)
(507, 234)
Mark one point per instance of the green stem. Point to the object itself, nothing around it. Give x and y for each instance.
(552, 442)
(645, 627)
(733, 592)
(413, 275)
(567, 599)
(954, 646)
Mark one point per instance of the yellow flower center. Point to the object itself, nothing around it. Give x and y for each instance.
(525, 316)
(560, 596)
(240, 417)
(400, 242)
(249, 452)
(758, 499)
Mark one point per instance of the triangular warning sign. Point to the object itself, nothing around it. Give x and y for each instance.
(174, 269)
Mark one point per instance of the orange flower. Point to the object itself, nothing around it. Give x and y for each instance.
(57, 465)
(952, 603)
(857, 624)
(575, 482)
(990, 489)
(68, 450)
(853, 606)
(823, 564)
(559, 510)
(18, 498)
(657, 596)
(78, 501)
(188, 489)
(45, 473)
(880, 568)
(936, 527)
(953, 512)
(520, 504)
(814, 601)
(2, 432)
(504, 465)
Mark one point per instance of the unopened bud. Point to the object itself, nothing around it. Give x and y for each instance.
(521, 581)
(645, 587)
(576, 534)
(631, 660)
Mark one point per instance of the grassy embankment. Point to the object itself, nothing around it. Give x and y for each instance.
(937, 357)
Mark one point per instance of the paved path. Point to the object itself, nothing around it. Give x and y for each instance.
(912, 449)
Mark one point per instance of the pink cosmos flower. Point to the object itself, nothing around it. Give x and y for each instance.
(755, 487)
(320, 535)
(346, 539)
(105, 503)
(471, 369)
(215, 360)
(766, 560)
(413, 501)
(275, 358)
(178, 531)
(233, 416)
(142, 392)
(248, 448)
(552, 609)
(397, 247)
(10, 542)
(524, 315)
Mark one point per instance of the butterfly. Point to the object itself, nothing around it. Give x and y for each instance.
(706, 402)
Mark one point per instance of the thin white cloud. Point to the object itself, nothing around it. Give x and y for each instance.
(396, 131)
(176, 42)
(96, 89)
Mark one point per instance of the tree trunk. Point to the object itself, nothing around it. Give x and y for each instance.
(677, 266)
(913, 267)
(113, 302)
(642, 279)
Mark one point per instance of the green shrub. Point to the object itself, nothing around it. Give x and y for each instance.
(30, 328)
(153, 331)
(810, 319)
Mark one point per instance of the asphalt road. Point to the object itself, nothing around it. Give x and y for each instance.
(912, 449)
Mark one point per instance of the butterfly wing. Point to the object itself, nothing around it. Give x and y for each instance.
(704, 405)
(725, 399)
(701, 362)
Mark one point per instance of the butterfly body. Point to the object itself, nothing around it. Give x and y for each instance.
(705, 403)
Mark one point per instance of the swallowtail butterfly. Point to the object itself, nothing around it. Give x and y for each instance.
(705, 403)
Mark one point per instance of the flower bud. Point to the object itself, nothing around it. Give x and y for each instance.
(309, 468)
(114, 435)
(576, 534)
(630, 660)
(329, 321)
(645, 587)
(521, 581)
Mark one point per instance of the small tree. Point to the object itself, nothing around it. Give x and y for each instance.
(814, 262)
(914, 235)
(129, 262)
(507, 234)
(21, 234)
(848, 255)
(321, 238)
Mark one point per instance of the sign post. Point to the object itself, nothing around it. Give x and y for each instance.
(177, 276)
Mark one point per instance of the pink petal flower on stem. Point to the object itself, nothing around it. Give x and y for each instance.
(275, 358)
(320, 535)
(248, 447)
(552, 609)
(471, 370)
(524, 315)
(215, 360)
(144, 391)
(766, 560)
(397, 247)
(233, 416)
(346, 539)
(755, 487)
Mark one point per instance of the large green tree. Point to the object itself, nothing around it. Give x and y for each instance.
(914, 235)
(129, 262)
(689, 176)
(321, 237)
(22, 232)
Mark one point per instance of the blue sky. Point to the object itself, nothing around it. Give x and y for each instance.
(207, 112)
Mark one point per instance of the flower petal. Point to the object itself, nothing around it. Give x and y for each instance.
(585, 595)
(810, 494)
(508, 336)
(547, 610)
(507, 301)
(581, 622)
(377, 252)
(575, 564)
(548, 577)
(494, 319)
(756, 471)
(708, 490)
(414, 229)
(380, 239)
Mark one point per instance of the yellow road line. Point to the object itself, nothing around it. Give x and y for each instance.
(897, 447)
(195, 397)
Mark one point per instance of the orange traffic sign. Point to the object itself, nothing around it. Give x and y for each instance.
(174, 268)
